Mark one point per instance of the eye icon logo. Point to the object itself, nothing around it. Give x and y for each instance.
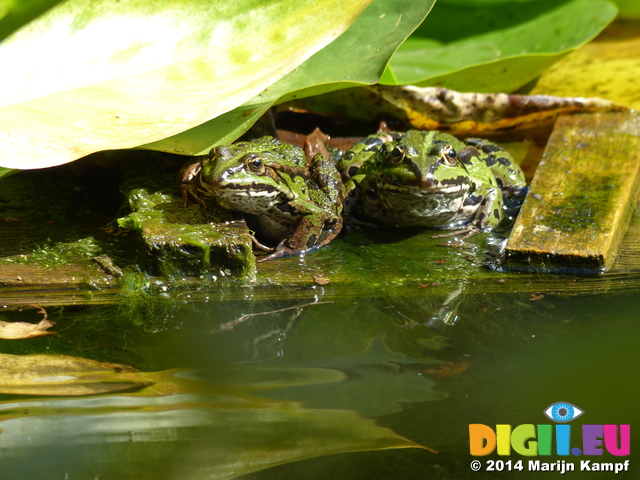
(562, 412)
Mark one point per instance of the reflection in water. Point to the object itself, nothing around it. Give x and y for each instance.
(208, 435)
(290, 388)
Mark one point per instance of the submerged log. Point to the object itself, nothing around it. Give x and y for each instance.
(582, 196)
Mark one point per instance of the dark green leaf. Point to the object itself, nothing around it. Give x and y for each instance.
(495, 45)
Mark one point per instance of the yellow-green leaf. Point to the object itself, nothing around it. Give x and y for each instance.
(89, 76)
(355, 58)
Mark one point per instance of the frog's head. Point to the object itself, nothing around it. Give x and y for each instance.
(252, 177)
(365, 150)
(431, 161)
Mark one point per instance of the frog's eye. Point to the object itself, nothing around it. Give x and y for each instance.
(449, 155)
(396, 154)
(254, 162)
(349, 156)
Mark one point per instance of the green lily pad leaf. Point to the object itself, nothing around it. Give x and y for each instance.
(5, 172)
(355, 58)
(221, 130)
(628, 9)
(494, 45)
(16, 13)
(105, 75)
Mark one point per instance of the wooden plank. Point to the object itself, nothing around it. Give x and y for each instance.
(582, 195)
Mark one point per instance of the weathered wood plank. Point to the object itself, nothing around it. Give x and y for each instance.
(582, 196)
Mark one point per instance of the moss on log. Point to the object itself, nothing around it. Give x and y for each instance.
(189, 241)
(582, 195)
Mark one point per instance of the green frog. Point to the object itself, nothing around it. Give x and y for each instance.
(431, 179)
(295, 206)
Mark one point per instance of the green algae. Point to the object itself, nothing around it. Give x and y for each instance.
(51, 255)
(187, 240)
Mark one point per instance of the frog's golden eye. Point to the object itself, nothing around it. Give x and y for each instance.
(254, 162)
(449, 155)
(396, 154)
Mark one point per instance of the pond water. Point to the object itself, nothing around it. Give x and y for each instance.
(321, 386)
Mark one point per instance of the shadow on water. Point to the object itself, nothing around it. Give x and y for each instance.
(276, 389)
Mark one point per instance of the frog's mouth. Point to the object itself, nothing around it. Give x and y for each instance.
(427, 184)
(453, 185)
(242, 191)
(257, 190)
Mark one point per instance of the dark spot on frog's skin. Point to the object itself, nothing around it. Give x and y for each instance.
(490, 161)
(496, 214)
(286, 208)
(472, 200)
(459, 180)
(504, 161)
(466, 154)
(352, 170)
(489, 148)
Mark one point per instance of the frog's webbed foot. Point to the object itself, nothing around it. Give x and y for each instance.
(261, 246)
(466, 232)
(187, 182)
(190, 192)
(306, 238)
(280, 251)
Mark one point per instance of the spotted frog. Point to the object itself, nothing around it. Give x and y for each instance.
(432, 179)
(295, 206)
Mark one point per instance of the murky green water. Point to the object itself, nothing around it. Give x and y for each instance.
(332, 389)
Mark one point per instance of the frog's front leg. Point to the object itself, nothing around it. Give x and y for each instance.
(318, 225)
(188, 182)
(487, 216)
(313, 231)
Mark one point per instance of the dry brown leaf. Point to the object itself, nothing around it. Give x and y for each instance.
(22, 330)
(447, 369)
(320, 279)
